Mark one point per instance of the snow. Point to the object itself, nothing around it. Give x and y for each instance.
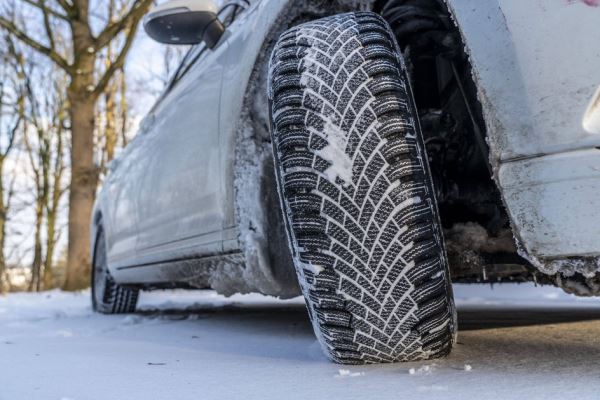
(346, 373)
(423, 370)
(335, 153)
(337, 139)
(315, 269)
(515, 342)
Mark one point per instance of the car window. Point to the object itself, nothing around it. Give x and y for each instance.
(228, 13)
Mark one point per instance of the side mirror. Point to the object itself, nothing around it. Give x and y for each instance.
(185, 22)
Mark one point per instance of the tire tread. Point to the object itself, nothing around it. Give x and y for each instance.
(369, 253)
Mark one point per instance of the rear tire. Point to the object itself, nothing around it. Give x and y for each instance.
(356, 193)
(107, 296)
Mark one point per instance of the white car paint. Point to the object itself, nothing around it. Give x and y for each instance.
(181, 200)
(191, 186)
(537, 65)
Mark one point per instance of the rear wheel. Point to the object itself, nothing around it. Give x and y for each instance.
(356, 193)
(107, 296)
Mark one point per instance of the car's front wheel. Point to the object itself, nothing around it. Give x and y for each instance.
(107, 296)
(356, 193)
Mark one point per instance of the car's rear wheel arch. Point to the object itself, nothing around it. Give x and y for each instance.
(107, 296)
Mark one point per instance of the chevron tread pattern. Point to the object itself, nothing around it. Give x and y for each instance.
(356, 193)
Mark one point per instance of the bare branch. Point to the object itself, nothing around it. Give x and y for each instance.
(65, 6)
(18, 102)
(119, 61)
(47, 26)
(130, 19)
(11, 136)
(47, 10)
(11, 192)
(34, 44)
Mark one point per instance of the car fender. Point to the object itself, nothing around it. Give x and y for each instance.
(536, 65)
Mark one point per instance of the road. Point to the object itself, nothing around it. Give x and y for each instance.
(515, 342)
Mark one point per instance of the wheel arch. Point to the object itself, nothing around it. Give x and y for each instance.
(252, 122)
(474, 47)
(245, 129)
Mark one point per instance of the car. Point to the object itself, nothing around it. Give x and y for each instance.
(365, 154)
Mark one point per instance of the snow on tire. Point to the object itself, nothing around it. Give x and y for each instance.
(356, 193)
(107, 296)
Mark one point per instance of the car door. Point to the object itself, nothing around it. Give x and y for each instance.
(121, 187)
(180, 205)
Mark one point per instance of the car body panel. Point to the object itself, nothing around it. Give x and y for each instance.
(165, 185)
(554, 202)
(535, 76)
(120, 214)
(182, 199)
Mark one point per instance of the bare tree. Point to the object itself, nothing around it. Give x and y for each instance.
(124, 108)
(57, 186)
(43, 139)
(113, 110)
(110, 99)
(88, 80)
(11, 111)
(113, 120)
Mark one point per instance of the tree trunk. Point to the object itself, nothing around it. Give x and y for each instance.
(110, 132)
(3, 278)
(53, 208)
(36, 267)
(84, 177)
(83, 93)
(48, 277)
(124, 108)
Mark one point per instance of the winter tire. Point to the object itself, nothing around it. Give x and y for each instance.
(107, 296)
(356, 193)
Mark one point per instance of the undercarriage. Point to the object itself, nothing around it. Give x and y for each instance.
(478, 234)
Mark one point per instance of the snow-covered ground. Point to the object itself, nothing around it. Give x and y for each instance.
(515, 342)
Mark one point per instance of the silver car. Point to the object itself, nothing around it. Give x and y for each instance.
(363, 154)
